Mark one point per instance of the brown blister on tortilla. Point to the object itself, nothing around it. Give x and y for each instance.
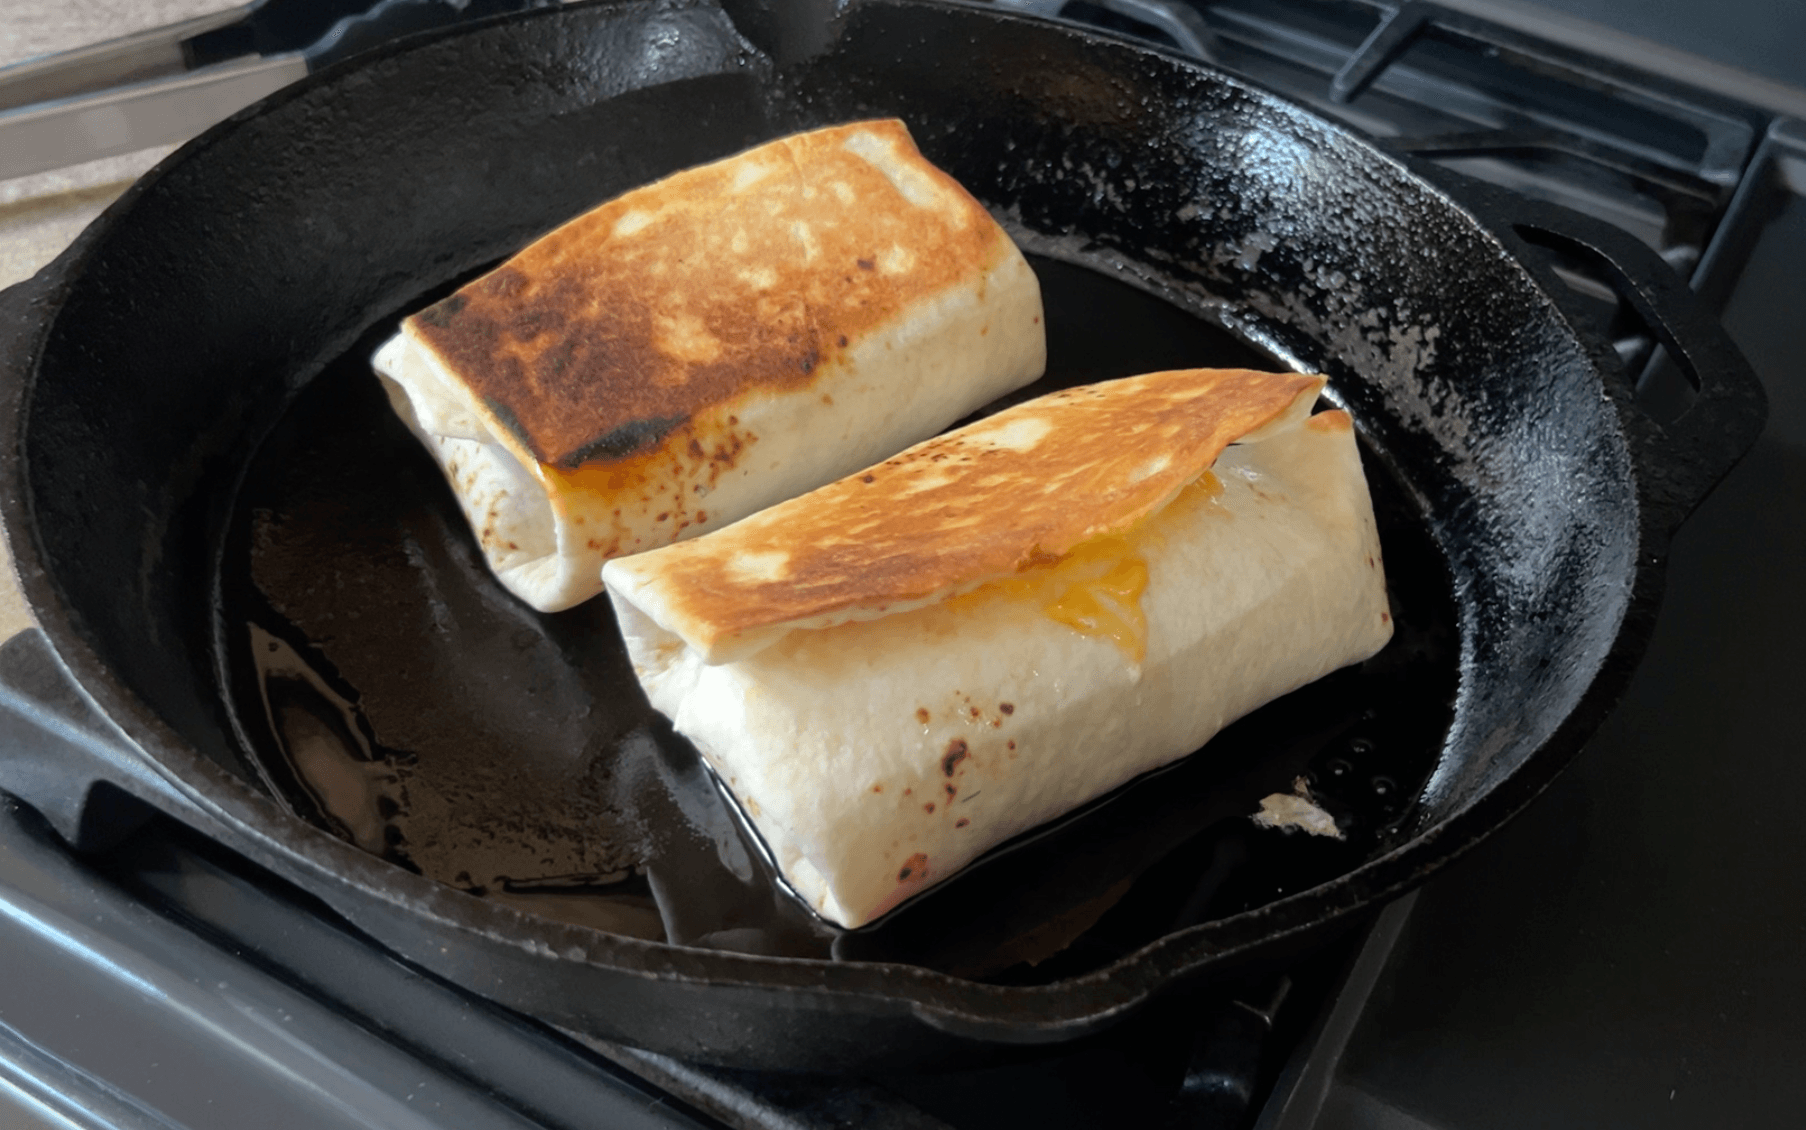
(984, 502)
(644, 324)
(1332, 421)
(912, 876)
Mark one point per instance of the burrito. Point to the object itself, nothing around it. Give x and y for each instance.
(898, 671)
(710, 344)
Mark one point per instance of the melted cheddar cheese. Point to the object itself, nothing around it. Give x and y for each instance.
(1095, 589)
(1099, 587)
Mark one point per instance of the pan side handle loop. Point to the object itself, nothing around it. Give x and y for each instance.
(1685, 458)
(1679, 460)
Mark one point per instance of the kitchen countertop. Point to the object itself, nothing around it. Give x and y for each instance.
(41, 214)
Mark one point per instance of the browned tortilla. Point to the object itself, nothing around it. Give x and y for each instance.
(614, 331)
(982, 502)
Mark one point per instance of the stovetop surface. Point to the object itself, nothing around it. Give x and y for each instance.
(1628, 951)
(1759, 37)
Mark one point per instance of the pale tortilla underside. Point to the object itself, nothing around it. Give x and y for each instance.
(880, 754)
(700, 348)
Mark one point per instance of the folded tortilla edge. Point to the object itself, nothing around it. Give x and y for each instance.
(639, 575)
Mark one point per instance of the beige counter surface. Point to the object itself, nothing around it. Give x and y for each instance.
(41, 214)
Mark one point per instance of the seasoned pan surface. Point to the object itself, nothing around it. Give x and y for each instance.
(391, 692)
(171, 376)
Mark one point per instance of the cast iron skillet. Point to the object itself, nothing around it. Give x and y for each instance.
(147, 364)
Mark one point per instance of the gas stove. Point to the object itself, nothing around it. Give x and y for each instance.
(1624, 953)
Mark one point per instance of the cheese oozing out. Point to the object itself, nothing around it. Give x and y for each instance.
(1096, 587)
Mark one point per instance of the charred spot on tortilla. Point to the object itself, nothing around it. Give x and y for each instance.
(629, 438)
(505, 416)
(442, 312)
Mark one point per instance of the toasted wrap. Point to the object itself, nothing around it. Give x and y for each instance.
(907, 667)
(702, 347)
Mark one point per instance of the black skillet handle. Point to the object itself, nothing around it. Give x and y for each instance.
(787, 30)
(1680, 461)
(380, 22)
(329, 30)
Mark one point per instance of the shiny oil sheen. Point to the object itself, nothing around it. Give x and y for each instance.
(392, 693)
